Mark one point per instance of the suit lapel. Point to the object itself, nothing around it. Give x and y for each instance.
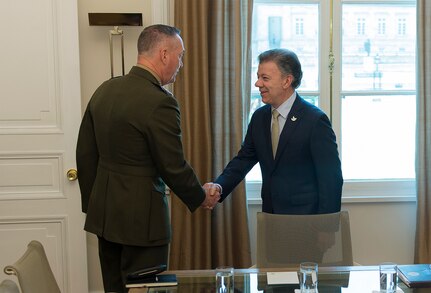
(293, 119)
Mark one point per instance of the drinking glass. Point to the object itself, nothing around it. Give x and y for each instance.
(224, 280)
(308, 277)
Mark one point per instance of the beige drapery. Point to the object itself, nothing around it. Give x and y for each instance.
(423, 153)
(213, 90)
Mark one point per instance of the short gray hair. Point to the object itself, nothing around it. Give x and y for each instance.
(287, 61)
(153, 34)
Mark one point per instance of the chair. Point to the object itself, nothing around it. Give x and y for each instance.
(8, 286)
(33, 271)
(288, 240)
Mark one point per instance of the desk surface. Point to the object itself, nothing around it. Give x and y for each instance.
(356, 279)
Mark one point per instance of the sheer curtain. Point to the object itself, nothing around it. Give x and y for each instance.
(213, 90)
(423, 153)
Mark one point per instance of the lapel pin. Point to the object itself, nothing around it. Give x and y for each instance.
(293, 118)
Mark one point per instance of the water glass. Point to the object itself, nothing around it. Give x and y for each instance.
(224, 280)
(308, 277)
(388, 277)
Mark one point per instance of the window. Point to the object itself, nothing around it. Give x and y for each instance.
(402, 26)
(382, 26)
(361, 26)
(299, 26)
(371, 97)
(305, 45)
(274, 31)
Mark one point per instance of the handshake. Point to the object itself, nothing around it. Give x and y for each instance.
(213, 192)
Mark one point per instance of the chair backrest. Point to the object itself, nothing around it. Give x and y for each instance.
(288, 240)
(33, 271)
(8, 286)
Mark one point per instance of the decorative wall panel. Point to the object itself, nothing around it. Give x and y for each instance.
(15, 234)
(34, 176)
(29, 85)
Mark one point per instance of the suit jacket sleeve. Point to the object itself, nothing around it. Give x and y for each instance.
(236, 170)
(327, 166)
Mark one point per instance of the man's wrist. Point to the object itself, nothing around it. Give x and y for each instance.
(219, 187)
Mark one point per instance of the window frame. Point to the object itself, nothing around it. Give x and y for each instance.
(360, 191)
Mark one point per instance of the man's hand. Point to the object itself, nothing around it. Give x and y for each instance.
(213, 193)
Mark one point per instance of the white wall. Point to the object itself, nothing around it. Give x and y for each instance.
(94, 41)
(381, 231)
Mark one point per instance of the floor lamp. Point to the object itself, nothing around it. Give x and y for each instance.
(116, 20)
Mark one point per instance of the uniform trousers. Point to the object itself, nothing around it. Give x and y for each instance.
(118, 260)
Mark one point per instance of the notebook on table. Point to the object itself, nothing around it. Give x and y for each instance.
(162, 280)
(151, 277)
(415, 275)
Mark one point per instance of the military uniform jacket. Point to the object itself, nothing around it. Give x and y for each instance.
(129, 146)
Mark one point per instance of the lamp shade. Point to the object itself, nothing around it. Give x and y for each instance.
(115, 19)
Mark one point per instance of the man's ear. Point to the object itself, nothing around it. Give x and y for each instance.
(163, 55)
(288, 81)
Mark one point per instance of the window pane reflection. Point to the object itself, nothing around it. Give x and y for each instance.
(378, 47)
(378, 134)
(291, 26)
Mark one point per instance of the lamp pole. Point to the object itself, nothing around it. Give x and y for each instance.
(377, 73)
(116, 32)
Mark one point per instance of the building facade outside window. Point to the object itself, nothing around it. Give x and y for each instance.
(402, 26)
(361, 26)
(373, 99)
(382, 26)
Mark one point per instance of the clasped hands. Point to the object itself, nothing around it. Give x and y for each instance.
(213, 193)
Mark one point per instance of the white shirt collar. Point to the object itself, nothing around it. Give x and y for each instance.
(284, 108)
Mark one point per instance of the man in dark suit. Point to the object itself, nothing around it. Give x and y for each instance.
(295, 146)
(129, 146)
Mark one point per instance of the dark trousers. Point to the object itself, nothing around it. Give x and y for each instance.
(117, 260)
